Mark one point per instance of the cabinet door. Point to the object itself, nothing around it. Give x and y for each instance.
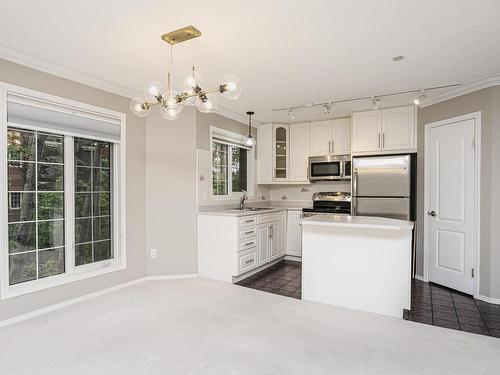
(265, 154)
(321, 136)
(294, 233)
(280, 152)
(263, 244)
(275, 241)
(282, 233)
(299, 152)
(398, 128)
(366, 129)
(341, 136)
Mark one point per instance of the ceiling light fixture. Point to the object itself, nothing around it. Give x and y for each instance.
(250, 141)
(419, 98)
(375, 103)
(172, 102)
(397, 58)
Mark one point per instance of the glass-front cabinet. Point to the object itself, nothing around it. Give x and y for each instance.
(280, 152)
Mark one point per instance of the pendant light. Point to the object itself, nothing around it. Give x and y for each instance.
(250, 140)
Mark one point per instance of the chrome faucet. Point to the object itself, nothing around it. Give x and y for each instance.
(244, 197)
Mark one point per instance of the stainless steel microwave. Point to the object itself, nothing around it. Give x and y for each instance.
(329, 168)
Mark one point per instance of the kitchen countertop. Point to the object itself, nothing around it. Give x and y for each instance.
(230, 210)
(368, 222)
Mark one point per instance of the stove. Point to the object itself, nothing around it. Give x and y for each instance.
(329, 203)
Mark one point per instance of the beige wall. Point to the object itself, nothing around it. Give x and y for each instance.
(487, 102)
(33, 79)
(171, 194)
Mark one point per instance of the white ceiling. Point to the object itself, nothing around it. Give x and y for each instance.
(285, 52)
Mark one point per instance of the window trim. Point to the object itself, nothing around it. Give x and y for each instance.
(72, 273)
(250, 166)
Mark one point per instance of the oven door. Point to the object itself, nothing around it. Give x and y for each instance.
(325, 170)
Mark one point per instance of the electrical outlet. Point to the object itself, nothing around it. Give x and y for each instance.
(154, 253)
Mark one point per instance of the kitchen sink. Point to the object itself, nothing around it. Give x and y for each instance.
(251, 209)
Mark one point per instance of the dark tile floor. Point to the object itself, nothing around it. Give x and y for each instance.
(431, 304)
(282, 278)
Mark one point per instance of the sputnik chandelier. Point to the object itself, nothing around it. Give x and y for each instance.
(171, 102)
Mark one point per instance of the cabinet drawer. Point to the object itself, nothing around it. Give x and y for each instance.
(247, 232)
(247, 261)
(248, 220)
(248, 243)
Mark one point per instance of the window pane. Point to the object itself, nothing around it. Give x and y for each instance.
(239, 169)
(102, 229)
(219, 168)
(50, 177)
(101, 179)
(83, 179)
(83, 205)
(50, 206)
(101, 204)
(83, 230)
(50, 148)
(21, 207)
(22, 176)
(22, 237)
(22, 267)
(83, 254)
(102, 250)
(50, 262)
(83, 152)
(50, 234)
(102, 152)
(20, 145)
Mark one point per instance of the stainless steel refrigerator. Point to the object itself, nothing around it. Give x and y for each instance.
(384, 186)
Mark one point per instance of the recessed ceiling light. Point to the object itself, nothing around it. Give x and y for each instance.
(397, 58)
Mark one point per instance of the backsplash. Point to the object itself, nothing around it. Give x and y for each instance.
(305, 192)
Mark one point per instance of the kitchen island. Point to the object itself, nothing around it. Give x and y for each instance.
(358, 262)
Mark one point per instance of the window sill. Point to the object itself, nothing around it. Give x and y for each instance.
(103, 268)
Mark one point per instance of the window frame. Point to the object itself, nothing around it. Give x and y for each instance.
(250, 166)
(72, 273)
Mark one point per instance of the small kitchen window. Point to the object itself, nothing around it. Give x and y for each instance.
(231, 164)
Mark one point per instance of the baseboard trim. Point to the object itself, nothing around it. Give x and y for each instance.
(495, 301)
(293, 258)
(60, 305)
(419, 277)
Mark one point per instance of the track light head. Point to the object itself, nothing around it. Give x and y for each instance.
(375, 103)
(419, 98)
(291, 114)
(327, 108)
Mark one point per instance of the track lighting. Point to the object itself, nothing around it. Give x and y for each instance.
(291, 114)
(327, 108)
(375, 103)
(419, 98)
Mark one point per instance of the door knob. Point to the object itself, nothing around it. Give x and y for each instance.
(432, 213)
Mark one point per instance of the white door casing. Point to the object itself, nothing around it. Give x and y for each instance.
(451, 203)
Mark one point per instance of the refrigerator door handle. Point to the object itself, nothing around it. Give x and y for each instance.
(354, 207)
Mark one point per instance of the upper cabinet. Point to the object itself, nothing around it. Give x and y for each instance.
(265, 154)
(330, 137)
(281, 143)
(299, 152)
(384, 130)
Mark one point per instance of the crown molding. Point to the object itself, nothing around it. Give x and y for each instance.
(236, 116)
(464, 89)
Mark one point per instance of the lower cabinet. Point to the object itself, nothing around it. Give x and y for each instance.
(294, 234)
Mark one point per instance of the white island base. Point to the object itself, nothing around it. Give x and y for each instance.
(362, 263)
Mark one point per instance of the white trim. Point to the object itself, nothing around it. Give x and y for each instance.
(476, 116)
(464, 89)
(60, 305)
(495, 301)
(419, 277)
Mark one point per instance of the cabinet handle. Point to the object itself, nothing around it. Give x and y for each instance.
(383, 140)
(250, 243)
(249, 261)
(378, 140)
(333, 146)
(249, 231)
(249, 221)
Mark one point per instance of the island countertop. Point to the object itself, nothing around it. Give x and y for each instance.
(368, 222)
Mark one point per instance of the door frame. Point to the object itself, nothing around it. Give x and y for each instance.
(476, 116)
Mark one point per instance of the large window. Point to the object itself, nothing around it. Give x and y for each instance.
(231, 162)
(63, 194)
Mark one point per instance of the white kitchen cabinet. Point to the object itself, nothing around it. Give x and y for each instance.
(341, 136)
(392, 129)
(366, 129)
(320, 139)
(294, 233)
(282, 232)
(265, 154)
(275, 240)
(281, 142)
(299, 152)
(398, 128)
(264, 244)
(331, 137)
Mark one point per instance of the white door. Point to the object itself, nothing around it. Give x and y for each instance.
(341, 136)
(321, 136)
(398, 128)
(366, 129)
(294, 234)
(299, 152)
(263, 242)
(450, 167)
